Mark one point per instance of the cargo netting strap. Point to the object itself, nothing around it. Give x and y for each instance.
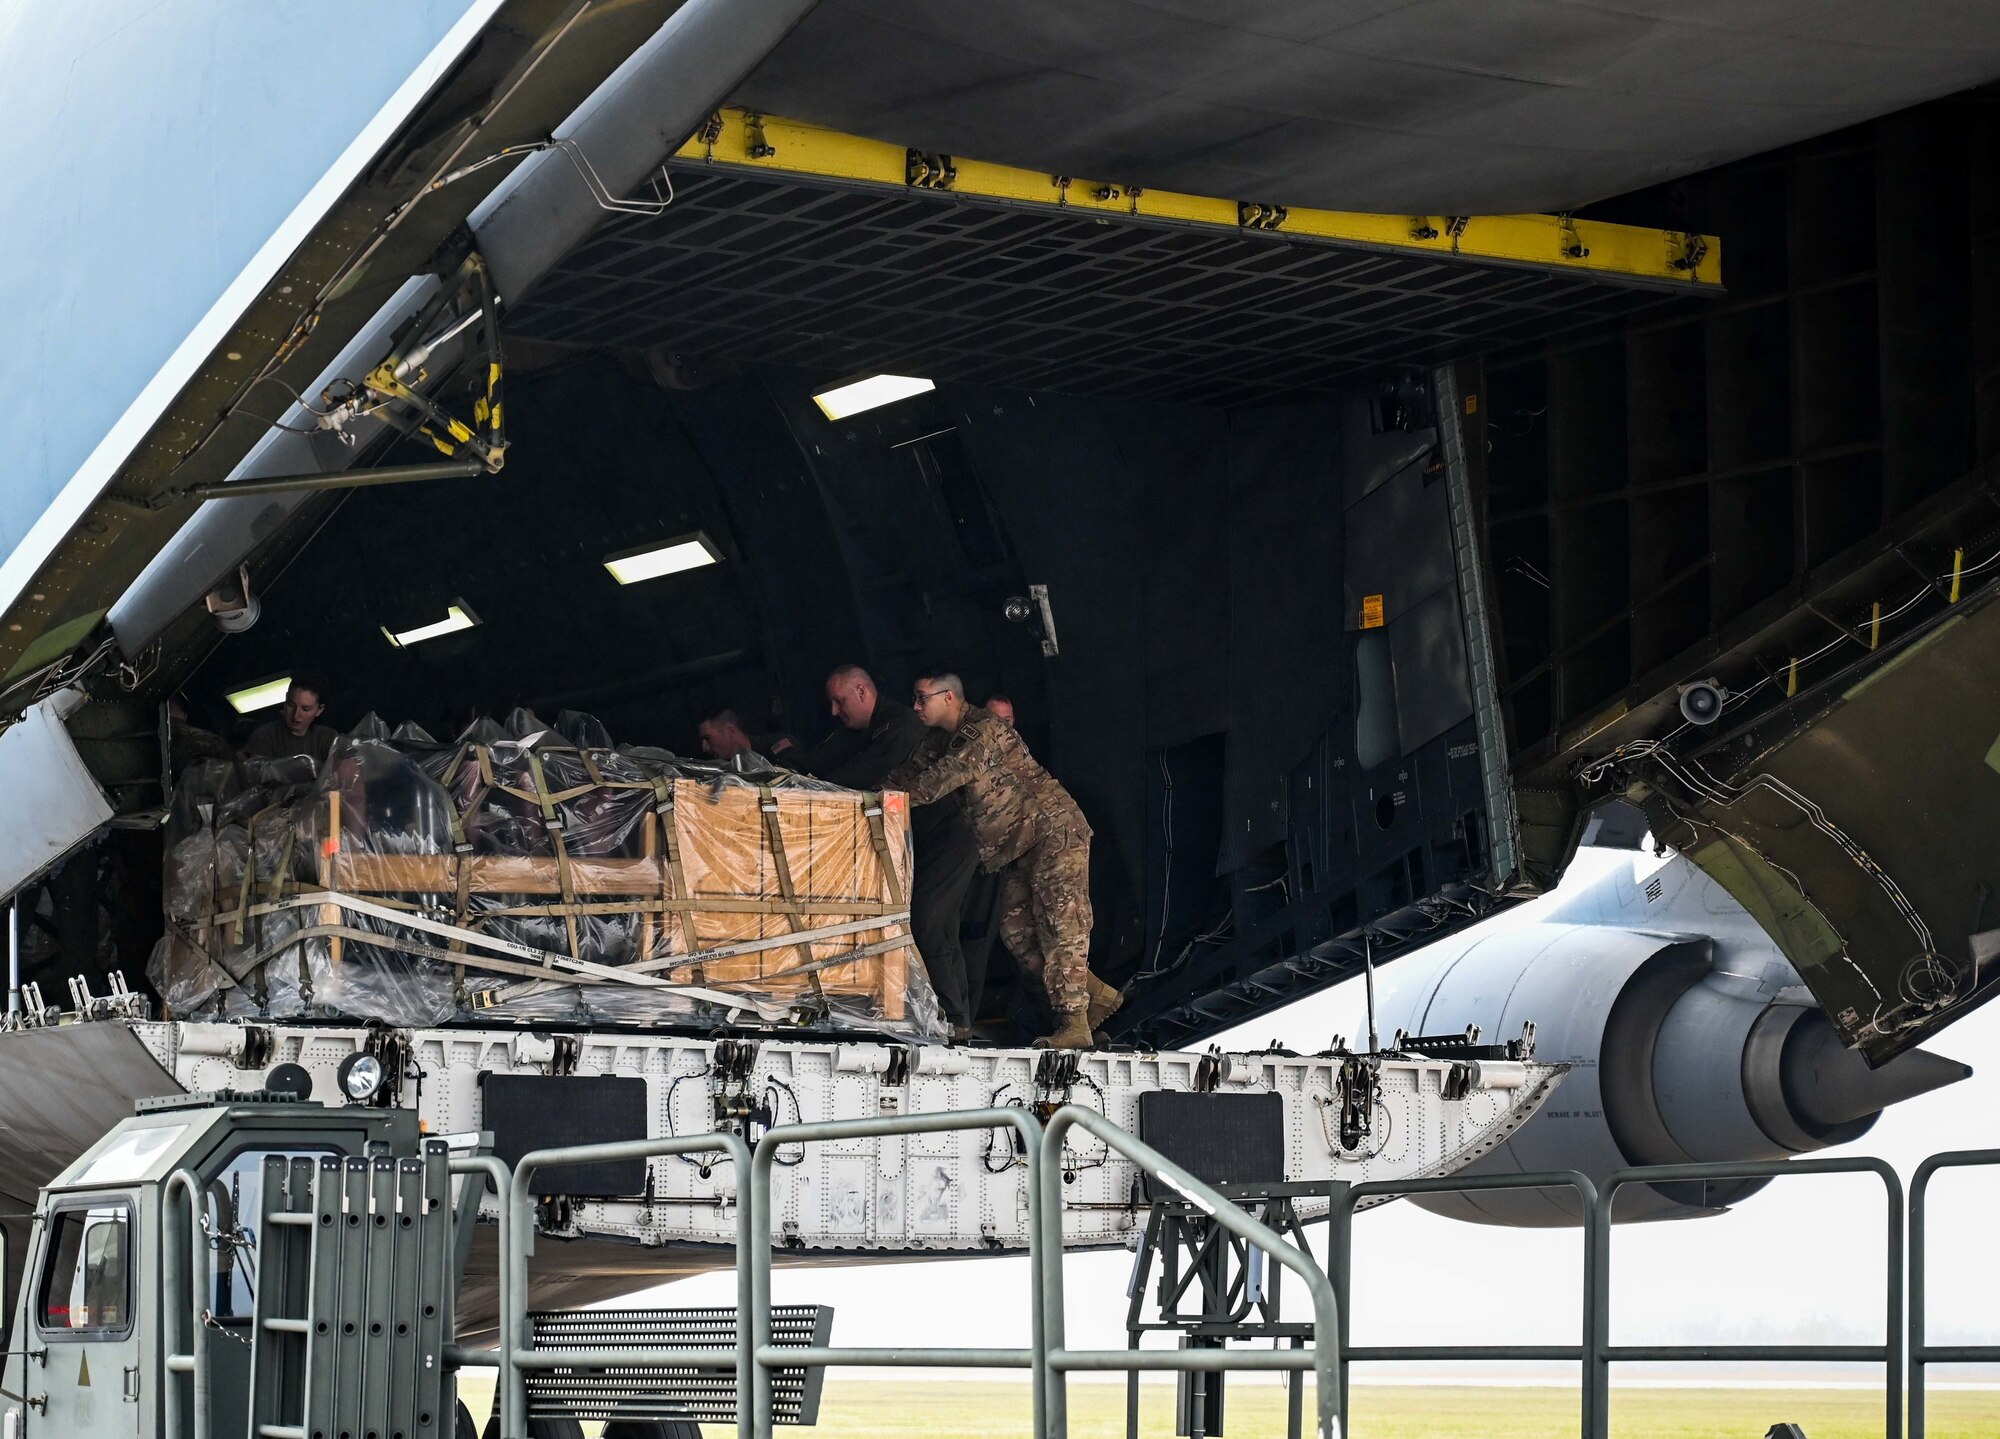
(276, 891)
(674, 885)
(878, 834)
(462, 847)
(249, 878)
(767, 803)
(552, 822)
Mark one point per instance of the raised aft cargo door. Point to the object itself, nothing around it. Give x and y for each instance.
(281, 174)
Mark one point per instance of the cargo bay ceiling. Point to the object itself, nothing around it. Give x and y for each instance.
(771, 241)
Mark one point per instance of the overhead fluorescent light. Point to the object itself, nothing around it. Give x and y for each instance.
(260, 696)
(456, 617)
(689, 552)
(852, 398)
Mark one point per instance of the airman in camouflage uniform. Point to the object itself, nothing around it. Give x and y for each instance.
(1030, 832)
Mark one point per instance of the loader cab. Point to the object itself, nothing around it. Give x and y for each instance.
(91, 1322)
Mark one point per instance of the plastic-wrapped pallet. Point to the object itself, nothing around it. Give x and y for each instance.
(518, 871)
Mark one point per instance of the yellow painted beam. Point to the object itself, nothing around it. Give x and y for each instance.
(745, 140)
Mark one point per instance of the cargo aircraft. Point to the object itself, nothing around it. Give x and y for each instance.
(1378, 448)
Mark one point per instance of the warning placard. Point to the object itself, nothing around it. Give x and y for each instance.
(1371, 612)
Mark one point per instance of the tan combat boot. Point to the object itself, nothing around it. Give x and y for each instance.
(1104, 1001)
(1073, 1033)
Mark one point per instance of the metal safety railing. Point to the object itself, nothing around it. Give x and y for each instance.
(767, 1357)
(515, 1356)
(755, 1358)
(1923, 1353)
(1596, 1353)
(1340, 1260)
(1323, 1358)
(1889, 1353)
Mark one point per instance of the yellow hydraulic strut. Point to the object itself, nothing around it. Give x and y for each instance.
(395, 378)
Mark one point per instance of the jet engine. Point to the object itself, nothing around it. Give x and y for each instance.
(1690, 1037)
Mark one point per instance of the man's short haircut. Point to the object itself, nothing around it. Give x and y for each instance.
(724, 716)
(852, 672)
(944, 679)
(310, 684)
(997, 698)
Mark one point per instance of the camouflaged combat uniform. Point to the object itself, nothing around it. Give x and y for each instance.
(1029, 832)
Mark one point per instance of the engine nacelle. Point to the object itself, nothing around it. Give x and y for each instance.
(1690, 1037)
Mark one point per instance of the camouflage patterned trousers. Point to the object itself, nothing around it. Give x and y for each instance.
(1045, 915)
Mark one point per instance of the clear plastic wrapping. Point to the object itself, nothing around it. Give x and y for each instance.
(523, 872)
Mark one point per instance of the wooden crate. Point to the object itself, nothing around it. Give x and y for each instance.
(719, 865)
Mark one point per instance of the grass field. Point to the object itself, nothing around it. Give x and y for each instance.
(986, 1409)
(1097, 1411)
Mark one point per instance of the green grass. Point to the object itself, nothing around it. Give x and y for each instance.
(988, 1409)
(1257, 1411)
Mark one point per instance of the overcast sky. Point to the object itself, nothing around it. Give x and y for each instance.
(1803, 1259)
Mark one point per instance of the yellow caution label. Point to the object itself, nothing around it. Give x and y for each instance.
(1472, 404)
(1371, 612)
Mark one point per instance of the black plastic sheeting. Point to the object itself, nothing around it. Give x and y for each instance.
(1420, 107)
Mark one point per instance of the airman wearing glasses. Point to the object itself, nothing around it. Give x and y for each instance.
(1031, 833)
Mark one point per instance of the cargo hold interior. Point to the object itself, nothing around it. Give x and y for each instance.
(1208, 700)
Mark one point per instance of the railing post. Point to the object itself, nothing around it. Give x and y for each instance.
(760, 1288)
(1918, 1357)
(1046, 1258)
(1597, 1314)
(762, 1356)
(1920, 1354)
(1895, 1330)
(750, 1221)
(476, 1168)
(1340, 1259)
